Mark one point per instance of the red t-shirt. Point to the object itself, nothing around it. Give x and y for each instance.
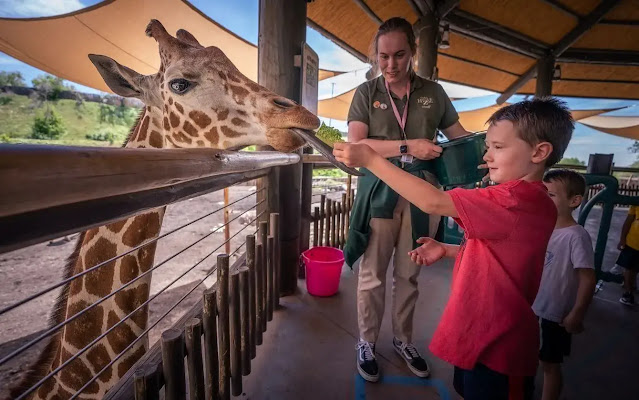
(488, 318)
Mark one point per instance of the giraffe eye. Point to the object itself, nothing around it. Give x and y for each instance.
(179, 86)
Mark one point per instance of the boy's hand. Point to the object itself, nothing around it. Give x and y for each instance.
(354, 154)
(428, 253)
(573, 323)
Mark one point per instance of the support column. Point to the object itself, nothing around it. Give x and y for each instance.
(282, 30)
(427, 30)
(545, 70)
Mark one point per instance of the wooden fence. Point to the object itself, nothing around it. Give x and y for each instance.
(624, 189)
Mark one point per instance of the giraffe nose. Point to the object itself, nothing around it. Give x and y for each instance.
(283, 102)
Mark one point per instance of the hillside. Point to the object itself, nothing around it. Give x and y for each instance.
(17, 114)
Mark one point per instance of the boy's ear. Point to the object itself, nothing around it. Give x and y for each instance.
(541, 152)
(575, 201)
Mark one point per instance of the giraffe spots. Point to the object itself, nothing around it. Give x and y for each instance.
(190, 129)
(75, 286)
(144, 128)
(166, 124)
(222, 115)
(143, 227)
(116, 226)
(146, 255)
(168, 138)
(175, 120)
(202, 120)
(234, 78)
(84, 329)
(130, 360)
(148, 108)
(179, 107)
(222, 75)
(98, 356)
(130, 299)
(46, 388)
(128, 268)
(212, 136)
(98, 282)
(90, 234)
(239, 122)
(239, 94)
(76, 374)
(226, 144)
(120, 337)
(200, 143)
(170, 101)
(156, 140)
(156, 123)
(181, 137)
(228, 132)
(163, 98)
(241, 112)
(254, 87)
(162, 85)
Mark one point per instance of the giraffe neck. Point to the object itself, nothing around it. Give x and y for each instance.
(96, 246)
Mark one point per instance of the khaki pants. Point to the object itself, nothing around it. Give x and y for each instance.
(387, 234)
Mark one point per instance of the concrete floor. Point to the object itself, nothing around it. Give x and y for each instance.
(309, 349)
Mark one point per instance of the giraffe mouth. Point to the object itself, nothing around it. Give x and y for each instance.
(324, 149)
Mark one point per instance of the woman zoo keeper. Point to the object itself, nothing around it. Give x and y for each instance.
(398, 115)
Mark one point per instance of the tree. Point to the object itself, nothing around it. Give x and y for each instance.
(571, 161)
(49, 87)
(48, 126)
(634, 148)
(11, 78)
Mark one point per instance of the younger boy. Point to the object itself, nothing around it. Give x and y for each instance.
(568, 281)
(629, 256)
(488, 330)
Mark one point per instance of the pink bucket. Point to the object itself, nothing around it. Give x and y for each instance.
(323, 270)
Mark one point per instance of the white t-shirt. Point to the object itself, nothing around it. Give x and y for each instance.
(569, 248)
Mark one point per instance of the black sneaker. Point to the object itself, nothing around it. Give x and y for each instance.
(627, 299)
(366, 362)
(415, 362)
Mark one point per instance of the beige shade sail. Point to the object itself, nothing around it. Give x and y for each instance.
(115, 28)
(494, 42)
(620, 126)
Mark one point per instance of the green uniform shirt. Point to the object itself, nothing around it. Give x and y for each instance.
(429, 109)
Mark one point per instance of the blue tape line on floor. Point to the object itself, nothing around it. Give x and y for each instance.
(440, 386)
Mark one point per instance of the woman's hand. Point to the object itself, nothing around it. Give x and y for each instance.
(428, 253)
(423, 149)
(354, 154)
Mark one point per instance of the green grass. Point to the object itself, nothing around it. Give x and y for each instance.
(17, 116)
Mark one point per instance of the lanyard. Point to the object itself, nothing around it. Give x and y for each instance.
(402, 121)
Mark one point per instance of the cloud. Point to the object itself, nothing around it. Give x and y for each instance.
(6, 60)
(37, 8)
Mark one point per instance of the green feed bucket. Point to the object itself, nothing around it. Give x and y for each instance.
(458, 162)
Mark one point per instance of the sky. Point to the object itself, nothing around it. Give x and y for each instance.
(241, 17)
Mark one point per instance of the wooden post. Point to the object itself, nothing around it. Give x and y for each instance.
(545, 71)
(329, 208)
(333, 223)
(259, 273)
(235, 334)
(322, 216)
(282, 31)
(263, 242)
(147, 382)
(223, 326)
(245, 320)
(427, 31)
(227, 228)
(209, 314)
(307, 197)
(250, 264)
(194, 358)
(316, 217)
(338, 223)
(270, 275)
(344, 216)
(173, 364)
(275, 232)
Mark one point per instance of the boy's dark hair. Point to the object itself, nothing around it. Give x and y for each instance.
(545, 119)
(574, 182)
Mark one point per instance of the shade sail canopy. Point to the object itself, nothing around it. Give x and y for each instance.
(494, 42)
(115, 28)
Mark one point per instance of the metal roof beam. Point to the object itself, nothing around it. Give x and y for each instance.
(446, 6)
(561, 7)
(582, 27)
(600, 56)
(368, 11)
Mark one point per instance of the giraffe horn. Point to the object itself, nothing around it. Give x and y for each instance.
(156, 30)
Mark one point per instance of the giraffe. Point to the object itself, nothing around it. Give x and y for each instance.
(197, 99)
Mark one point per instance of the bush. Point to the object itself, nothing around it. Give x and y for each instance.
(106, 134)
(11, 78)
(4, 100)
(4, 138)
(49, 87)
(120, 115)
(333, 172)
(48, 126)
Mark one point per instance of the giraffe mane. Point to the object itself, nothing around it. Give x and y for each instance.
(39, 368)
(135, 125)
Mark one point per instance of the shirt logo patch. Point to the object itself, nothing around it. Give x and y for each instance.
(376, 104)
(425, 101)
(383, 106)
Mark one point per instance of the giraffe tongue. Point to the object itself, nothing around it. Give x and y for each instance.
(325, 150)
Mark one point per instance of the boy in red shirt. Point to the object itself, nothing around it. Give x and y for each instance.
(488, 330)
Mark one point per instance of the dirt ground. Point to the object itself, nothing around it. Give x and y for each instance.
(27, 271)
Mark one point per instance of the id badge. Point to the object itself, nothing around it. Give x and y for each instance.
(407, 158)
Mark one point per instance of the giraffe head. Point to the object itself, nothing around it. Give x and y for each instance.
(202, 100)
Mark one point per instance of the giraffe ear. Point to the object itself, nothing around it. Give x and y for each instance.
(126, 82)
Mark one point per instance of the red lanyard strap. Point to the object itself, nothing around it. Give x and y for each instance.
(402, 121)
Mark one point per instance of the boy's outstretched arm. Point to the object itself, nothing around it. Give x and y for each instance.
(417, 191)
(573, 322)
(432, 251)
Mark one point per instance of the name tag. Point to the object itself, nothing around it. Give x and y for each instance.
(407, 158)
